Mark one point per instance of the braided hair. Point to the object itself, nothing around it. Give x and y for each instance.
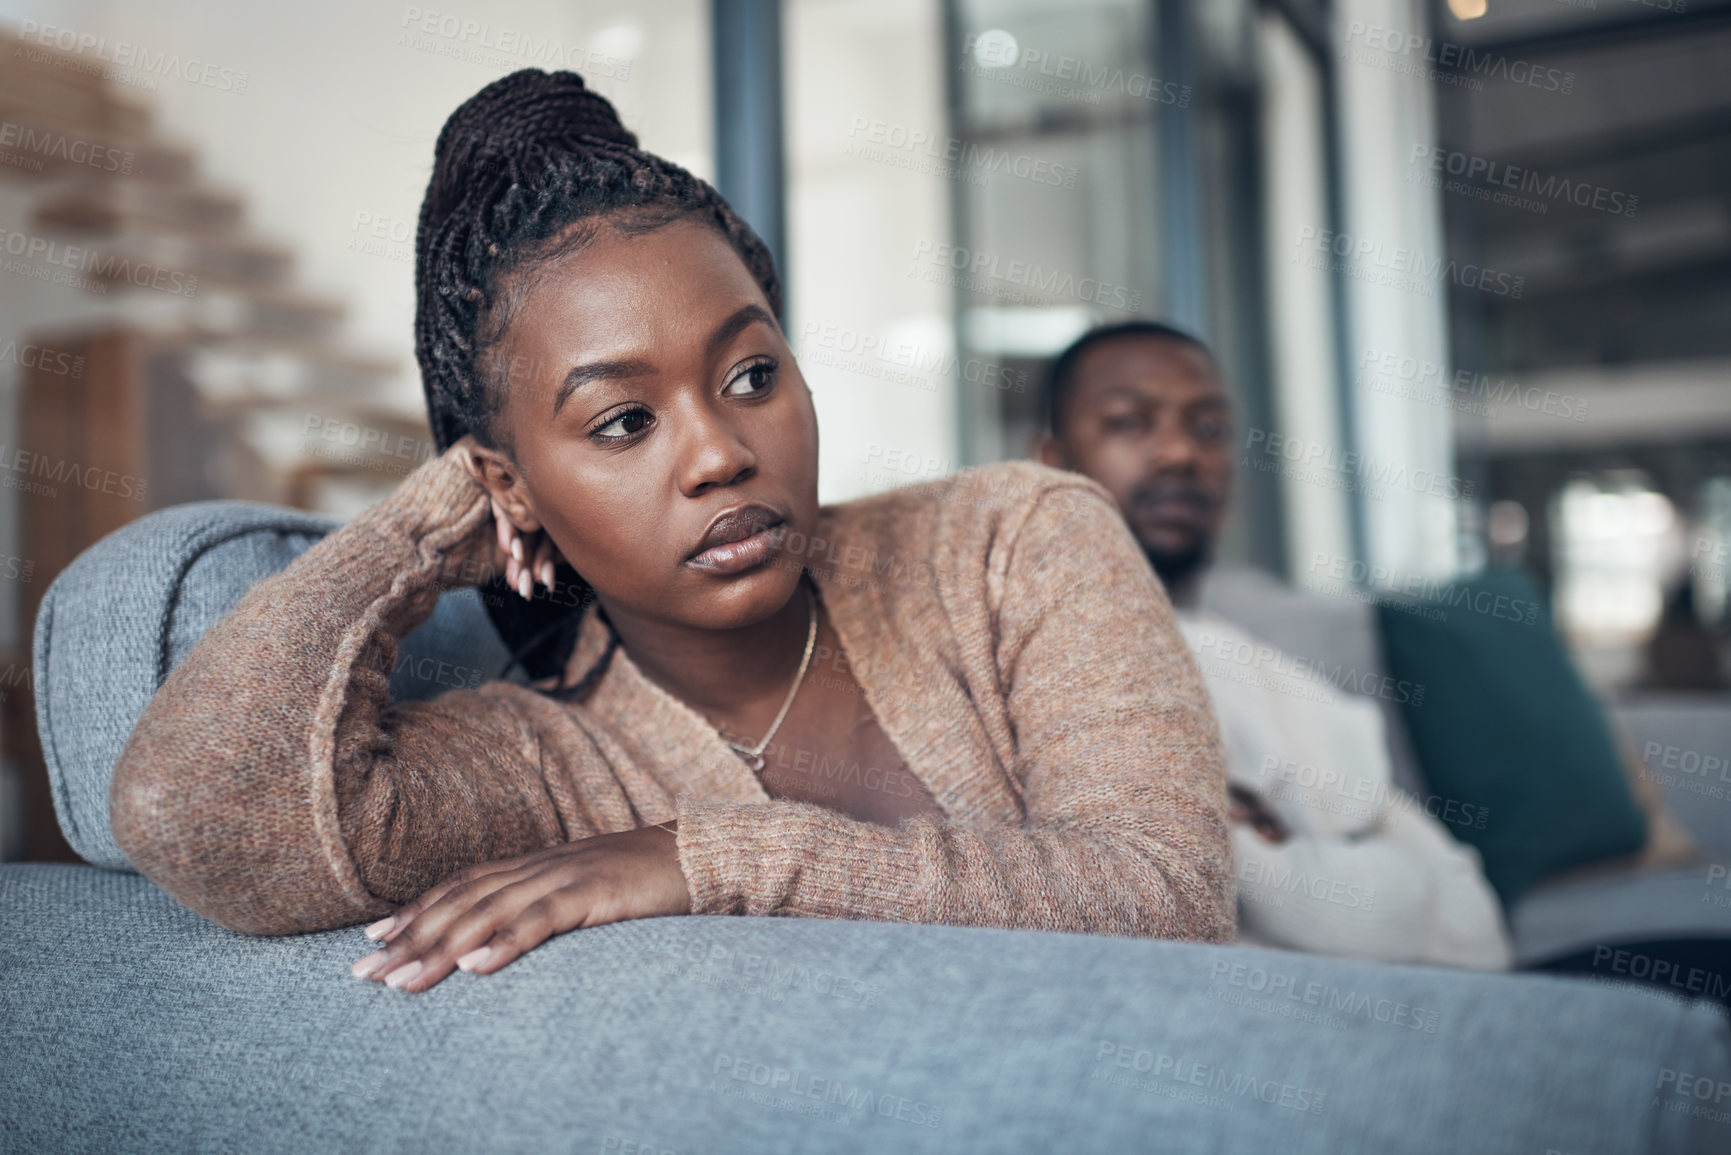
(516, 167)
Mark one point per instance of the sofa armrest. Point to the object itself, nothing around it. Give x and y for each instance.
(115, 622)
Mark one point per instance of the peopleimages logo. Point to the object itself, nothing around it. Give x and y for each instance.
(979, 266)
(1522, 180)
(978, 158)
(855, 351)
(1375, 472)
(27, 147)
(81, 261)
(1270, 882)
(1287, 672)
(60, 470)
(1182, 1070)
(1363, 581)
(1081, 74)
(1424, 380)
(1344, 1002)
(1459, 59)
(42, 359)
(1397, 267)
(462, 38)
(793, 1084)
(124, 54)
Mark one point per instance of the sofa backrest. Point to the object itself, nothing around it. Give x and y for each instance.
(117, 620)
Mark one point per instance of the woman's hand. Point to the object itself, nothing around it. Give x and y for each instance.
(483, 917)
(523, 559)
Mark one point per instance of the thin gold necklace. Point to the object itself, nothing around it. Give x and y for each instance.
(753, 755)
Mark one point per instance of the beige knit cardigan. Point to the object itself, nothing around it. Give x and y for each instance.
(1008, 634)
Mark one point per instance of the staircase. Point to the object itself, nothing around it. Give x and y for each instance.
(198, 369)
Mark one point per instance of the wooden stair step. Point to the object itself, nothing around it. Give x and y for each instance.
(222, 312)
(113, 203)
(82, 87)
(235, 374)
(232, 260)
(47, 144)
(244, 369)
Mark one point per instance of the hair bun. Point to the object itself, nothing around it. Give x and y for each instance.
(516, 117)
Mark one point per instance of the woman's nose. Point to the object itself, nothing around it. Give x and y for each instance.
(713, 452)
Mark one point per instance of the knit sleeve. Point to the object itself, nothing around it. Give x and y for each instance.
(1117, 759)
(272, 787)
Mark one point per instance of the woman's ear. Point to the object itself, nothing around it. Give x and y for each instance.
(501, 478)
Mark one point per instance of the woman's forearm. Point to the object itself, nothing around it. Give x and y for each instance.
(1140, 876)
(235, 786)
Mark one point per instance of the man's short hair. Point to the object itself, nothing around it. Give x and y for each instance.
(1063, 372)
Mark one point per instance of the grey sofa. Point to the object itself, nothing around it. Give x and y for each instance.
(132, 1024)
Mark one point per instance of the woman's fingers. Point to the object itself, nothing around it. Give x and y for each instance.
(488, 914)
(544, 553)
(548, 915)
(531, 561)
(514, 914)
(412, 939)
(466, 929)
(404, 934)
(528, 558)
(505, 534)
(502, 528)
(389, 928)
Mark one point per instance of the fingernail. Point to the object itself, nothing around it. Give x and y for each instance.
(525, 585)
(517, 548)
(365, 967)
(382, 927)
(547, 574)
(403, 974)
(477, 957)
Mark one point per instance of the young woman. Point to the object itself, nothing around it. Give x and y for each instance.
(964, 703)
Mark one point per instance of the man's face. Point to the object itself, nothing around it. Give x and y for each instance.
(1147, 418)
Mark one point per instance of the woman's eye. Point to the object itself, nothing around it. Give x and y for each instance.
(761, 376)
(627, 424)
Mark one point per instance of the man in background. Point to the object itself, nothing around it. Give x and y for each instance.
(1140, 407)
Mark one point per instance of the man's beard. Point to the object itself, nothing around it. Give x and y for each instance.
(1175, 567)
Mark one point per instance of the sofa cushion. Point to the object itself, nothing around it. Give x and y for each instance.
(116, 621)
(1508, 726)
(163, 1032)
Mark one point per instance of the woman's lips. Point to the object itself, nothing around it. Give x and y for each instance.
(739, 556)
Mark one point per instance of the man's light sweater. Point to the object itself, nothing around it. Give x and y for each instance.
(1365, 872)
(1006, 630)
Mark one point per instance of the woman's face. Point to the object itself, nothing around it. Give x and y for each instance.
(650, 390)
